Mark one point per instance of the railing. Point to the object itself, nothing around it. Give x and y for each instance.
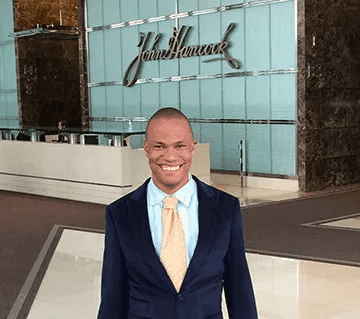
(67, 135)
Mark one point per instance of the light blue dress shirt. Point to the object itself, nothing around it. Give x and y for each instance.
(188, 211)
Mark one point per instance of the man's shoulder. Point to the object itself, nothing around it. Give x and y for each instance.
(136, 193)
(213, 191)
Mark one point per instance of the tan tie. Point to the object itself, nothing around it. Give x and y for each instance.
(173, 248)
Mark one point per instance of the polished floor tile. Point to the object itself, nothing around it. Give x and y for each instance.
(249, 196)
(71, 285)
(284, 287)
(353, 223)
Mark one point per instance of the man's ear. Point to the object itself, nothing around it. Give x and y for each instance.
(146, 148)
(193, 147)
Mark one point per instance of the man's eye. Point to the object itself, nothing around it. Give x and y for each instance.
(180, 146)
(158, 146)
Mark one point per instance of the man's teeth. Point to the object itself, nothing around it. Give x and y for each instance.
(170, 168)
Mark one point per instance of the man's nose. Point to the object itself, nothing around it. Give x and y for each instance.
(170, 154)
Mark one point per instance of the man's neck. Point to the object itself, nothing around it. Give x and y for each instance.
(170, 191)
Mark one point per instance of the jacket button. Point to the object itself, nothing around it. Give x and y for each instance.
(180, 297)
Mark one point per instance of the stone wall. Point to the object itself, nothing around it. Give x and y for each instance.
(49, 80)
(328, 93)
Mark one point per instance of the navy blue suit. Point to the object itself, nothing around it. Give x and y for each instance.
(135, 284)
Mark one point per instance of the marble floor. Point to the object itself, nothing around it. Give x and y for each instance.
(352, 223)
(262, 191)
(284, 288)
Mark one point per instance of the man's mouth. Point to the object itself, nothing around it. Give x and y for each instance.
(170, 168)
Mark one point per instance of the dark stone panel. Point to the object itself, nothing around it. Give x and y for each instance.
(301, 12)
(84, 99)
(302, 147)
(49, 80)
(30, 12)
(329, 112)
(301, 39)
(32, 113)
(302, 176)
(354, 140)
(332, 172)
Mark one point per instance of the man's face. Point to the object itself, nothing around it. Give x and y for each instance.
(170, 148)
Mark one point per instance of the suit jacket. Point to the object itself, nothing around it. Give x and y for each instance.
(136, 285)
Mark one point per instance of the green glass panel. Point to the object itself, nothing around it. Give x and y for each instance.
(129, 10)
(233, 133)
(168, 68)
(258, 97)
(8, 99)
(169, 94)
(2, 68)
(210, 93)
(3, 106)
(209, 33)
(111, 11)
(257, 40)
(234, 98)
(113, 65)
(4, 123)
(283, 149)
(207, 4)
(283, 96)
(97, 102)
(98, 126)
(150, 98)
(190, 65)
(283, 37)
(94, 9)
(136, 140)
(211, 133)
(190, 98)
(114, 100)
(96, 56)
(196, 129)
(228, 2)
(13, 123)
(116, 126)
(258, 148)
(187, 5)
(236, 38)
(129, 40)
(6, 18)
(12, 105)
(9, 67)
(132, 101)
(150, 69)
(147, 9)
(166, 7)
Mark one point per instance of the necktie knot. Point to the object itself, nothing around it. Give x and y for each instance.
(170, 202)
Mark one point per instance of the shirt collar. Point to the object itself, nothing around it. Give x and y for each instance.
(183, 194)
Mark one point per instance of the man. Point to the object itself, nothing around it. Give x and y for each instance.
(172, 244)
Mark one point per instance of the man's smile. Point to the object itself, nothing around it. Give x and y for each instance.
(170, 168)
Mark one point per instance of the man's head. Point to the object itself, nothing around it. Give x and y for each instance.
(169, 145)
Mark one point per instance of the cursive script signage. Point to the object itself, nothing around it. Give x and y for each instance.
(176, 49)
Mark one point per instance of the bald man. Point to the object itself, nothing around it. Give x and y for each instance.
(172, 262)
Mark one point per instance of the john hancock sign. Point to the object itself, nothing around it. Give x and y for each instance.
(176, 49)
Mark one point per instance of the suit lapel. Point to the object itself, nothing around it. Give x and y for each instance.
(140, 223)
(207, 222)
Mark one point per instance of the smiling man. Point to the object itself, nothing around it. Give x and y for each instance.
(170, 146)
(175, 242)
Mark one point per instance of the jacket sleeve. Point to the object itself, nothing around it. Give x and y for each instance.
(114, 282)
(238, 288)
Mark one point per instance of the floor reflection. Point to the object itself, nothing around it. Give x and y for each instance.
(284, 287)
